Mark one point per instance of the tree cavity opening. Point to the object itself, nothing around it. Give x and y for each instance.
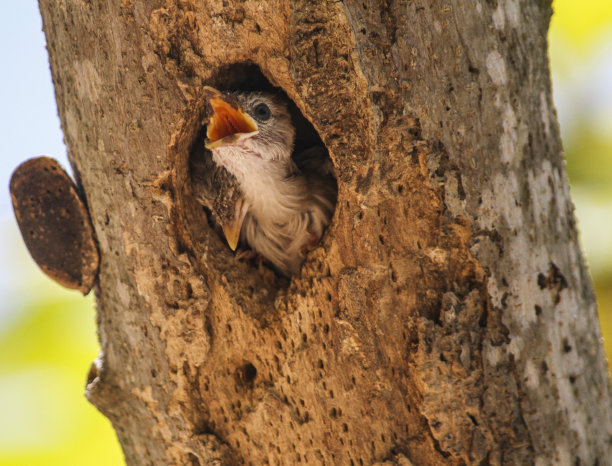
(206, 235)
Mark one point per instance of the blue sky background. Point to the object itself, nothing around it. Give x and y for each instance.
(29, 126)
(47, 334)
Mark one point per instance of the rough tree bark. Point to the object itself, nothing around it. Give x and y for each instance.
(447, 316)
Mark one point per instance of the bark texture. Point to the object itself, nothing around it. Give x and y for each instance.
(447, 316)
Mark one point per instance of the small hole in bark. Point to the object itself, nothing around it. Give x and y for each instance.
(541, 281)
(93, 373)
(193, 459)
(538, 310)
(246, 374)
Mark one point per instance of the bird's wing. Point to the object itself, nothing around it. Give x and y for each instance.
(214, 187)
(314, 163)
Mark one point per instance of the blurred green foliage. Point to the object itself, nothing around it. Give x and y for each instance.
(45, 355)
(46, 350)
(580, 22)
(580, 41)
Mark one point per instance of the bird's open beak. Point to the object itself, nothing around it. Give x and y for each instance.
(228, 123)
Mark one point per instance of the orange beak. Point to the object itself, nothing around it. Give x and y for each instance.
(228, 123)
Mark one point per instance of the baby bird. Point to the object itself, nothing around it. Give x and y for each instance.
(284, 200)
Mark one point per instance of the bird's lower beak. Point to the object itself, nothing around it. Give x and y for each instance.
(228, 123)
(231, 228)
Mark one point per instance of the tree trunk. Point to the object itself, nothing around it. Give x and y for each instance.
(445, 318)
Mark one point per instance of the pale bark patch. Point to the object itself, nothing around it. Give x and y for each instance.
(496, 67)
(513, 12)
(499, 17)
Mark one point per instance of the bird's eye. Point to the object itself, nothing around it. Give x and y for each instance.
(262, 112)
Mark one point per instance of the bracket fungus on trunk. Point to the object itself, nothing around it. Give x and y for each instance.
(54, 223)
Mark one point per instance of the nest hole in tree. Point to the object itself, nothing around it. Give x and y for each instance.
(197, 231)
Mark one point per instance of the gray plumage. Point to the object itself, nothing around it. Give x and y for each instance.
(286, 202)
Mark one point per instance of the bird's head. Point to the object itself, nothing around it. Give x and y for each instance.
(254, 124)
